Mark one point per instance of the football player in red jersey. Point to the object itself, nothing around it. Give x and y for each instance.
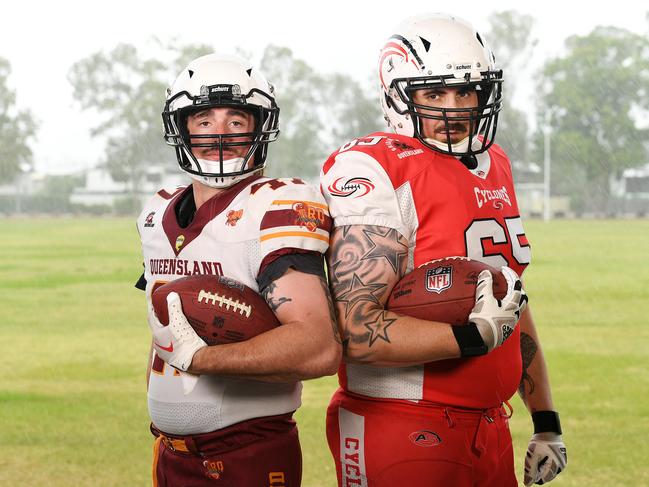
(222, 414)
(421, 402)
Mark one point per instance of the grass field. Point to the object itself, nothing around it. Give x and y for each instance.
(75, 341)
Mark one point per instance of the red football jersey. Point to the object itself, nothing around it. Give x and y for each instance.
(443, 209)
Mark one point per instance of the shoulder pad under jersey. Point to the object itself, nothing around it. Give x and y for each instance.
(293, 214)
(359, 185)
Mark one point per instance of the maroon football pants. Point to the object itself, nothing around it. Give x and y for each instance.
(388, 443)
(261, 452)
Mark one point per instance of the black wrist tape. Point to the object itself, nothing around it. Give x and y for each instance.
(546, 422)
(469, 340)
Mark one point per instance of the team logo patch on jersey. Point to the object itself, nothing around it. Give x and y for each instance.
(148, 221)
(308, 216)
(499, 196)
(439, 279)
(354, 186)
(180, 240)
(405, 149)
(213, 469)
(233, 217)
(425, 438)
(395, 145)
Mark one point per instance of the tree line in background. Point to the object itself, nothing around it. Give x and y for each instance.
(593, 101)
(17, 129)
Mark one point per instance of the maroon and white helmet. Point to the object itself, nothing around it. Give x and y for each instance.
(439, 50)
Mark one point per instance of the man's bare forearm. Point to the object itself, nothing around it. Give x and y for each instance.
(534, 387)
(365, 264)
(305, 346)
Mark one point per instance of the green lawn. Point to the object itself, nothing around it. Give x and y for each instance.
(75, 342)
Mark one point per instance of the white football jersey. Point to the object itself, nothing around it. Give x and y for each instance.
(231, 235)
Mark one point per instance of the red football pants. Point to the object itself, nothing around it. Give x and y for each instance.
(388, 443)
(261, 452)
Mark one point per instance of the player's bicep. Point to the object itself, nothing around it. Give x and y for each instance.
(274, 288)
(365, 262)
(303, 299)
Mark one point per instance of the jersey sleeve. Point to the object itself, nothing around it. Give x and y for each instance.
(150, 214)
(307, 262)
(359, 191)
(296, 219)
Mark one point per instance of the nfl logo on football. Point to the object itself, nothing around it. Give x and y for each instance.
(439, 279)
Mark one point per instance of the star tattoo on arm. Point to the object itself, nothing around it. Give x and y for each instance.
(365, 262)
(388, 245)
(359, 291)
(379, 328)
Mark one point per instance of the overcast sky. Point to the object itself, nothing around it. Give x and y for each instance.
(43, 39)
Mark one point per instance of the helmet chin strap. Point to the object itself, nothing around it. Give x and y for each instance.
(460, 146)
(229, 165)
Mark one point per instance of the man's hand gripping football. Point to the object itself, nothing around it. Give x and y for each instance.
(177, 342)
(495, 319)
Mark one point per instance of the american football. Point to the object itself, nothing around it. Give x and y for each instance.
(221, 310)
(443, 290)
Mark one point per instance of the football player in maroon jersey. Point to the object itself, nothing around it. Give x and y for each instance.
(423, 403)
(222, 414)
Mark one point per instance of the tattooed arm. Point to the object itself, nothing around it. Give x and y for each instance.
(546, 455)
(365, 262)
(534, 388)
(307, 345)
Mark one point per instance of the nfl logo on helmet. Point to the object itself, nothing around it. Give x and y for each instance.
(439, 279)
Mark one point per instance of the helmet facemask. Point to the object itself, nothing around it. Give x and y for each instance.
(221, 172)
(444, 52)
(482, 119)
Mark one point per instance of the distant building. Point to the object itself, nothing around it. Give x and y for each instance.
(530, 192)
(13, 194)
(635, 190)
(25, 184)
(636, 181)
(102, 189)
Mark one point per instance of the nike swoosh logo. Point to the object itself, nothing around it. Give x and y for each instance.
(169, 349)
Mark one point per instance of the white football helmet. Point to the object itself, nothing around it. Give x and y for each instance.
(439, 50)
(220, 81)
